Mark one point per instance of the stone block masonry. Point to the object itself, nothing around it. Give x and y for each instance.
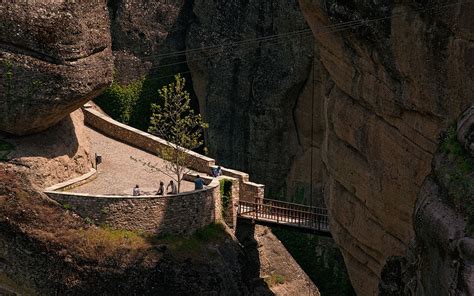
(173, 214)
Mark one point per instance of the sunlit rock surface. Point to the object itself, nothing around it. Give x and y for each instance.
(53, 58)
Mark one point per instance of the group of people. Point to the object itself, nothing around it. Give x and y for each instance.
(171, 187)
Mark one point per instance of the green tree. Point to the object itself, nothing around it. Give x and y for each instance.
(174, 121)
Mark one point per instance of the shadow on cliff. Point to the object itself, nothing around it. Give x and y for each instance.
(59, 140)
(245, 233)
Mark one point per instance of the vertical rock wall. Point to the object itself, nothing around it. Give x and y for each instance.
(256, 95)
(390, 87)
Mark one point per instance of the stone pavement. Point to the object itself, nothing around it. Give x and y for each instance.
(118, 173)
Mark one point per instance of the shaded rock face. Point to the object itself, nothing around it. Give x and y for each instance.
(144, 31)
(55, 155)
(465, 130)
(389, 88)
(53, 58)
(257, 95)
(440, 260)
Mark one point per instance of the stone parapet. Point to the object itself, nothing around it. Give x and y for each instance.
(140, 139)
(177, 214)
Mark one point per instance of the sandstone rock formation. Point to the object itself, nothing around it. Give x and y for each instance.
(53, 58)
(257, 95)
(440, 259)
(390, 87)
(55, 155)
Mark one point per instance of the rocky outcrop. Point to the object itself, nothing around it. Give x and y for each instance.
(53, 58)
(257, 94)
(270, 262)
(390, 86)
(440, 260)
(53, 156)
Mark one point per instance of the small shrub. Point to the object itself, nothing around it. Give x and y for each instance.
(275, 279)
(88, 221)
(67, 206)
(119, 101)
(226, 194)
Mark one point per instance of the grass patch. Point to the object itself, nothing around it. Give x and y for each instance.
(275, 279)
(5, 149)
(194, 245)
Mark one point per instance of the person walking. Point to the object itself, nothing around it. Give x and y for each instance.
(198, 183)
(174, 189)
(161, 190)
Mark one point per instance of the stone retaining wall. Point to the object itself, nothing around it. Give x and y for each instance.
(177, 214)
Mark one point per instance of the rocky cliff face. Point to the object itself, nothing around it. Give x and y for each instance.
(440, 259)
(252, 94)
(53, 58)
(257, 95)
(390, 87)
(142, 32)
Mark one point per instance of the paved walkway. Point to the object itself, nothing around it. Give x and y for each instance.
(118, 173)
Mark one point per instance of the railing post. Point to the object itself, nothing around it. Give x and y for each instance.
(256, 211)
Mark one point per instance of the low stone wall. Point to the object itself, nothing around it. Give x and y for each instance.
(177, 214)
(248, 191)
(138, 138)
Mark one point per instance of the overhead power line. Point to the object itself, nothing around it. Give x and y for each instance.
(215, 51)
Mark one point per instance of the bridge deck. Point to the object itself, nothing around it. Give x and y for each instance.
(273, 212)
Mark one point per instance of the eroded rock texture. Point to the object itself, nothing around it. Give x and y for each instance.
(53, 58)
(440, 260)
(144, 32)
(257, 95)
(390, 87)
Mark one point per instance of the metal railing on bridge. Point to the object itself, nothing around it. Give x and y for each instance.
(275, 212)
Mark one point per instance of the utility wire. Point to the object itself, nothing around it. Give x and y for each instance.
(217, 50)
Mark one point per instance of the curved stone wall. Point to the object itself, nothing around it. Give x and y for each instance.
(178, 214)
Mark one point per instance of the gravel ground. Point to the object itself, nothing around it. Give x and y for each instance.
(118, 173)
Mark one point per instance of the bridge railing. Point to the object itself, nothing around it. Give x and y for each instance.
(285, 213)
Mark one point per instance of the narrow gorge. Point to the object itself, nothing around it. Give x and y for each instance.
(363, 107)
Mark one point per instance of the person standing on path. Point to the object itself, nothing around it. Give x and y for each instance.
(198, 183)
(174, 189)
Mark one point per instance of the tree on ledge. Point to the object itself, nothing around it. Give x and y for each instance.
(174, 121)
